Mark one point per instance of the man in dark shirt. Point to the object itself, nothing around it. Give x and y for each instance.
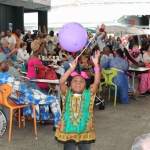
(131, 42)
(28, 39)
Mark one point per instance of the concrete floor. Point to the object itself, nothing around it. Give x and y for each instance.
(116, 128)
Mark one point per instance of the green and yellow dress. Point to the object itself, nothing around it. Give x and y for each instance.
(76, 123)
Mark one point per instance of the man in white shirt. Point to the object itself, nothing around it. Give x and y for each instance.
(52, 41)
(10, 38)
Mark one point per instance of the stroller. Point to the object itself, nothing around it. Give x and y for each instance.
(100, 102)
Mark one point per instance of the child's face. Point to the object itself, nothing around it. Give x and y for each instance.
(78, 84)
(103, 26)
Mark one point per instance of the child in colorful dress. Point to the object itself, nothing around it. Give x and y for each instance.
(76, 127)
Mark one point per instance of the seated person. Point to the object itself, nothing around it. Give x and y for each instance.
(57, 50)
(22, 54)
(10, 54)
(29, 96)
(63, 55)
(66, 64)
(33, 63)
(14, 72)
(144, 82)
(137, 56)
(121, 65)
(105, 55)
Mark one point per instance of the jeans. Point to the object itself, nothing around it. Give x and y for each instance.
(18, 66)
(130, 88)
(31, 84)
(72, 146)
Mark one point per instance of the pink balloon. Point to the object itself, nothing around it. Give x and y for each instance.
(72, 37)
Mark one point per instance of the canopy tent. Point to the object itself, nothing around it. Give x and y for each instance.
(91, 16)
(90, 30)
(125, 29)
(91, 2)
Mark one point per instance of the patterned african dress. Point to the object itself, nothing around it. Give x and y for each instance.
(76, 123)
(32, 96)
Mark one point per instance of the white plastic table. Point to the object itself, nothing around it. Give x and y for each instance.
(139, 70)
(46, 81)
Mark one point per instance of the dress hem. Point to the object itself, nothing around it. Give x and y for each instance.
(73, 141)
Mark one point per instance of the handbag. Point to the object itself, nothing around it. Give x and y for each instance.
(44, 72)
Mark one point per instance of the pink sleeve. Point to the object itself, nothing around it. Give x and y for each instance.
(30, 63)
(145, 57)
(41, 63)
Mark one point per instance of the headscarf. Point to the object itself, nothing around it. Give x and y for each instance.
(35, 45)
(134, 50)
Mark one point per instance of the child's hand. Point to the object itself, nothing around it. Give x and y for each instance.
(96, 59)
(74, 63)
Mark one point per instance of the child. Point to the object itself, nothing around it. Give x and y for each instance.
(76, 126)
(102, 29)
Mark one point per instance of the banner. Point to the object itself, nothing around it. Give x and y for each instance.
(10, 26)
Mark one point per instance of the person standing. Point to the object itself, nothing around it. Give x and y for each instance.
(16, 35)
(52, 41)
(2, 35)
(28, 39)
(76, 127)
(10, 38)
(43, 44)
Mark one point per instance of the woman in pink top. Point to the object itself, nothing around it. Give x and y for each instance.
(34, 62)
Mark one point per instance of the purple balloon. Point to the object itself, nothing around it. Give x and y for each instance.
(72, 37)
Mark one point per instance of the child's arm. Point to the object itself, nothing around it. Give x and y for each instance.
(97, 72)
(65, 76)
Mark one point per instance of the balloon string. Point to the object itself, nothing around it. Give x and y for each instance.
(86, 46)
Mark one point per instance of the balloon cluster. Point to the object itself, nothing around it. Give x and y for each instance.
(72, 37)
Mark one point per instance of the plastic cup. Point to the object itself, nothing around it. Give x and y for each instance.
(53, 57)
(43, 57)
(39, 56)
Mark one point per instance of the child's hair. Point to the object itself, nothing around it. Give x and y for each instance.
(102, 24)
(87, 81)
(22, 44)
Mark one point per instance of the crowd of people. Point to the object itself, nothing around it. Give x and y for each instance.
(20, 52)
